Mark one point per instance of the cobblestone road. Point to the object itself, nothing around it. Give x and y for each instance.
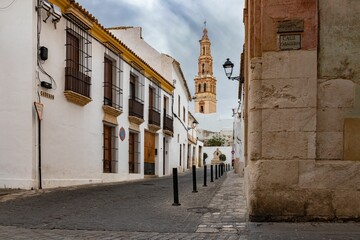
(220, 216)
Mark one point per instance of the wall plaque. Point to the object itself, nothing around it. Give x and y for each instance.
(291, 26)
(290, 42)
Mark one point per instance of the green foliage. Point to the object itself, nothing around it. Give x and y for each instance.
(205, 156)
(222, 157)
(215, 141)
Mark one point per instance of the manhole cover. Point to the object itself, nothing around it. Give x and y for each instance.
(203, 210)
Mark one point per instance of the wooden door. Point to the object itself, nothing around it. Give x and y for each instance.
(149, 153)
(164, 156)
(131, 152)
(107, 149)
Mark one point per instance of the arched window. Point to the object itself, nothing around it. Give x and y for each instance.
(199, 88)
(203, 68)
(201, 106)
(203, 50)
(204, 87)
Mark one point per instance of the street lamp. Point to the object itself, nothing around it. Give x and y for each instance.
(228, 68)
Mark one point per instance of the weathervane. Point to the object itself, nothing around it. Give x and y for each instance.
(205, 23)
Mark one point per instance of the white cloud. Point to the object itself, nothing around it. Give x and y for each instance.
(175, 26)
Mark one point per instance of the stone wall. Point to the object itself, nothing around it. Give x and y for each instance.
(303, 131)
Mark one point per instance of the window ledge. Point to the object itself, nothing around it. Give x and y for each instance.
(111, 111)
(136, 120)
(76, 98)
(153, 128)
(168, 132)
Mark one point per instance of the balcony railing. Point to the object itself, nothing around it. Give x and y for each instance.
(136, 108)
(77, 82)
(154, 117)
(168, 123)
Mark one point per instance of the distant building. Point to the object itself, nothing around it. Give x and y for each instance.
(205, 82)
(206, 135)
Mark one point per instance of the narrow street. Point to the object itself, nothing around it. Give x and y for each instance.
(134, 206)
(143, 210)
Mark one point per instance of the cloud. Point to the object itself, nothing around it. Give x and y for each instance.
(175, 27)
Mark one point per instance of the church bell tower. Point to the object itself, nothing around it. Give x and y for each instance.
(205, 82)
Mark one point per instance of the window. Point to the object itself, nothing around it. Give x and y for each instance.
(203, 68)
(78, 57)
(154, 96)
(204, 87)
(199, 88)
(109, 149)
(134, 153)
(184, 114)
(204, 51)
(154, 104)
(201, 106)
(167, 118)
(180, 155)
(179, 106)
(112, 83)
(137, 86)
(136, 106)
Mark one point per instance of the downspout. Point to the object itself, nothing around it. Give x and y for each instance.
(39, 145)
(38, 9)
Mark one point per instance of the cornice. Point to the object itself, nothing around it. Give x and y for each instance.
(101, 34)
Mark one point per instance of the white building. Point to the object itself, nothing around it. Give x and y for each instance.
(107, 111)
(195, 146)
(184, 151)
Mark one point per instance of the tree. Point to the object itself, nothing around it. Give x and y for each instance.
(215, 141)
(205, 156)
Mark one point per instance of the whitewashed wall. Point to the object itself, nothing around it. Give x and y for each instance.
(72, 136)
(17, 95)
(165, 65)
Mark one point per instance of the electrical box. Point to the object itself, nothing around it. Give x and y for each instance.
(46, 85)
(43, 53)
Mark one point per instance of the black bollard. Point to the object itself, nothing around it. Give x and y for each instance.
(205, 175)
(194, 179)
(212, 173)
(176, 188)
(216, 171)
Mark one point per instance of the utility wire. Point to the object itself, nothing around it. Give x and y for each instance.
(2, 8)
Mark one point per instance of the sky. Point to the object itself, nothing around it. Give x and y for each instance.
(175, 27)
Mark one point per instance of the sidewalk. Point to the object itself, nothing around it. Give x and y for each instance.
(231, 206)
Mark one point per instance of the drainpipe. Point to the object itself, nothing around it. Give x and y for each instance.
(39, 144)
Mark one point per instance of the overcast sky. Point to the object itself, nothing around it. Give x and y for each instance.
(175, 27)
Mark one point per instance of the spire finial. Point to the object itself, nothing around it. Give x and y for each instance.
(205, 23)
